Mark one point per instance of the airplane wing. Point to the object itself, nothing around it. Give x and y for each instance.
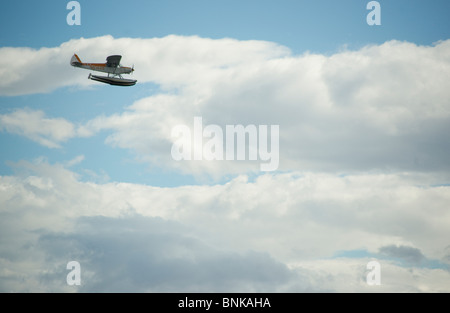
(113, 60)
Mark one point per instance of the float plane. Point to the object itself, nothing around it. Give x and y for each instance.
(112, 67)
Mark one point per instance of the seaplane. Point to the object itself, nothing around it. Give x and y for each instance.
(112, 67)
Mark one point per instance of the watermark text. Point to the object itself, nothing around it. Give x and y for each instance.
(74, 276)
(373, 278)
(74, 16)
(214, 143)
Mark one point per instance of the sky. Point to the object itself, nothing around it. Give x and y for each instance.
(361, 159)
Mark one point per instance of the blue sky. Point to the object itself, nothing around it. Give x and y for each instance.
(318, 26)
(363, 169)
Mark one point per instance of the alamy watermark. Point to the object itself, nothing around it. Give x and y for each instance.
(214, 143)
(73, 278)
(374, 16)
(74, 16)
(373, 278)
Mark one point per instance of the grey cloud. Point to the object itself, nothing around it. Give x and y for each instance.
(407, 254)
(446, 257)
(266, 234)
(141, 254)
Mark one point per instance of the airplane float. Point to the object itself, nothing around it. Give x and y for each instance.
(112, 67)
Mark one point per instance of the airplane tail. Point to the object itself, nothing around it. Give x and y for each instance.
(75, 60)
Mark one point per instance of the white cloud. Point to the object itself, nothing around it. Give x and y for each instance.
(171, 61)
(382, 107)
(34, 125)
(78, 159)
(380, 115)
(283, 223)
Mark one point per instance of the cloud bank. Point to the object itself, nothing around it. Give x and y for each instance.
(279, 233)
(364, 152)
(383, 107)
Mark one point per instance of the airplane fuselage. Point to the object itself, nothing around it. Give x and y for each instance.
(101, 67)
